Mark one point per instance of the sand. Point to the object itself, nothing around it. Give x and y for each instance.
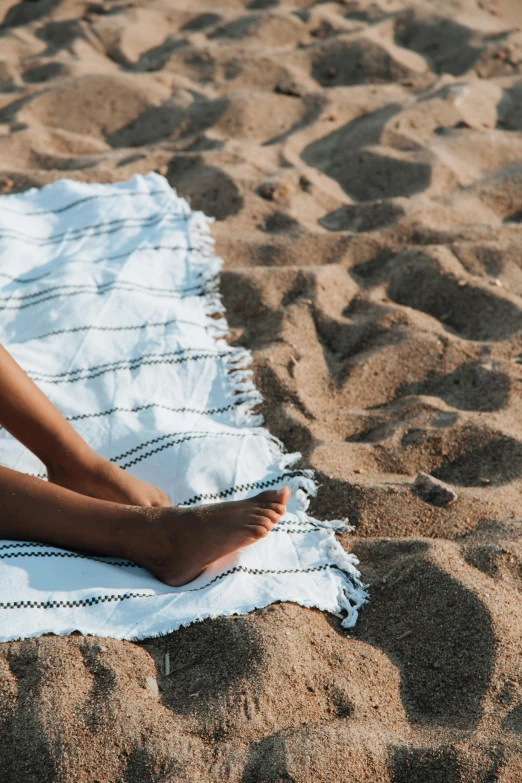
(363, 161)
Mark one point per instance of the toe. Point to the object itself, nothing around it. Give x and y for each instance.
(265, 518)
(278, 508)
(281, 496)
(260, 526)
(268, 513)
(268, 496)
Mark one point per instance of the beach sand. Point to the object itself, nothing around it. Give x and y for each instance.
(363, 161)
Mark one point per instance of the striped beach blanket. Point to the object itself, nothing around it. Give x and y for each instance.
(109, 301)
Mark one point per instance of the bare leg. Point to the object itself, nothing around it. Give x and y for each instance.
(31, 418)
(176, 544)
(91, 505)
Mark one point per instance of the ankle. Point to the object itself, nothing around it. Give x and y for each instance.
(144, 538)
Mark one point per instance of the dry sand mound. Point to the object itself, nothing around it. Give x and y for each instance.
(362, 159)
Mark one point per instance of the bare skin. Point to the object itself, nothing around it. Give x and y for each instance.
(91, 505)
(98, 478)
(32, 419)
(197, 537)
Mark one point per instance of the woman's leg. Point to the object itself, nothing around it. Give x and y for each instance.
(32, 419)
(175, 544)
(91, 505)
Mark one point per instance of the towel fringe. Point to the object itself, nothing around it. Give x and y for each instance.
(352, 595)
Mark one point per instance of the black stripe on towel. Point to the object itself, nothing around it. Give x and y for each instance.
(84, 200)
(87, 373)
(161, 290)
(292, 532)
(76, 260)
(98, 229)
(115, 285)
(201, 411)
(20, 544)
(168, 445)
(102, 599)
(138, 408)
(184, 439)
(231, 491)
(75, 555)
(74, 329)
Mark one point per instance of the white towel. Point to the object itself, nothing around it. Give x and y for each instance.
(108, 301)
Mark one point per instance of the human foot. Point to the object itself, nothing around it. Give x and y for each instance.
(185, 542)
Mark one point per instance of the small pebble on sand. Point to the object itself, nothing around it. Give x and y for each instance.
(434, 491)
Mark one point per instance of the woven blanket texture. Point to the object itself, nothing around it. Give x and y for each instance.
(109, 302)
